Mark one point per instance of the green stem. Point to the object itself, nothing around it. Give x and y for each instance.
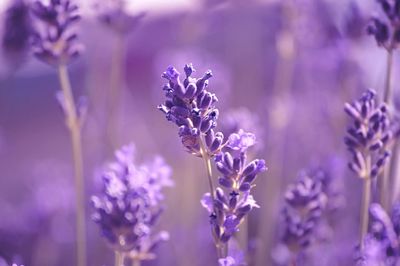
(74, 126)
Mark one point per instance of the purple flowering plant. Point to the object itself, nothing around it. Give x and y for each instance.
(55, 42)
(302, 213)
(368, 140)
(192, 108)
(130, 205)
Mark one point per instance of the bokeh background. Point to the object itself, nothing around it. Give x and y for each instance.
(282, 69)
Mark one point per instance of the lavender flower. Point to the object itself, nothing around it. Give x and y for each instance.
(237, 176)
(382, 246)
(305, 202)
(387, 30)
(192, 108)
(18, 30)
(368, 137)
(130, 204)
(114, 14)
(55, 41)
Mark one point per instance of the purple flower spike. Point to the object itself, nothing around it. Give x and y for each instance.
(131, 202)
(304, 203)
(17, 31)
(192, 108)
(371, 132)
(238, 177)
(55, 41)
(386, 29)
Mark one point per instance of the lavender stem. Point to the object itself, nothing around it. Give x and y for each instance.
(365, 201)
(74, 127)
(119, 258)
(387, 97)
(115, 89)
(207, 161)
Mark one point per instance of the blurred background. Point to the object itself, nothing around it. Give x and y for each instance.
(282, 69)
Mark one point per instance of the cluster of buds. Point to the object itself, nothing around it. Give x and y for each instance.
(369, 135)
(305, 203)
(228, 209)
(54, 40)
(130, 204)
(386, 30)
(192, 108)
(17, 31)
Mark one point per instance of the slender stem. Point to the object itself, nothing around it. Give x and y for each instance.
(226, 249)
(395, 173)
(114, 94)
(366, 198)
(119, 258)
(74, 127)
(387, 97)
(207, 160)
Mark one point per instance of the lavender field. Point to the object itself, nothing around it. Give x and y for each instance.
(199, 132)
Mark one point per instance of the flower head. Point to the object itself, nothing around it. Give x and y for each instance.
(131, 201)
(368, 136)
(229, 208)
(192, 108)
(55, 41)
(386, 30)
(304, 205)
(17, 31)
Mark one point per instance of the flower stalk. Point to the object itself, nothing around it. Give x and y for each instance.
(387, 171)
(207, 161)
(116, 83)
(192, 108)
(74, 126)
(364, 215)
(119, 258)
